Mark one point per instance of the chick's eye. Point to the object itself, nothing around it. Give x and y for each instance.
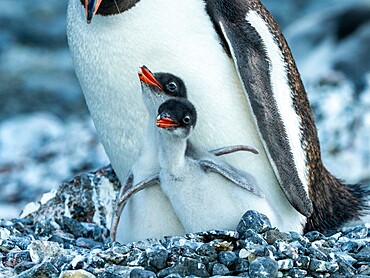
(172, 86)
(186, 120)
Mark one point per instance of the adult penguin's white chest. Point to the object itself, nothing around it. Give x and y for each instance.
(168, 36)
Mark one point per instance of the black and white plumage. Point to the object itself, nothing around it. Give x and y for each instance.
(161, 219)
(238, 64)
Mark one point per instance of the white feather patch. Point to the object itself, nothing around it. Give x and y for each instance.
(282, 94)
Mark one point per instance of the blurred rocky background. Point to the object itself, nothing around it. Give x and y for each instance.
(47, 137)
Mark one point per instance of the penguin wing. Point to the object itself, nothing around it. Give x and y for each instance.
(273, 88)
(231, 174)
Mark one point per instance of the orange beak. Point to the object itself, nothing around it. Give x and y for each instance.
(146, 76)
(91, 7)
(165, 122)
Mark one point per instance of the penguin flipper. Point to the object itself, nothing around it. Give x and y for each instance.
(126, 192)
(274, 91)
(229, 173)
(232, 149)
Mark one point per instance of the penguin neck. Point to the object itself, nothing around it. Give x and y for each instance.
(171, 151)
(149, 150)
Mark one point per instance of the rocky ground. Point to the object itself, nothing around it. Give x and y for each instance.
(65, 235)
(47, 137)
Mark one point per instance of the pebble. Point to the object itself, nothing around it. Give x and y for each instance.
(80, 273)
(255, 221)
(220, 269)
(227, 258)
(157, 256)
(40, 250)
(45, 269)
(142, 273)
(263, 267)
(285, 264)
(247, 253)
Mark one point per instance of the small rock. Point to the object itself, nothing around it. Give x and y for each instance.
(358, 233)
(23, 242)
(345, 264)
(23, 266)
(65, 239)
(80, 273)
(240, 265)
(363, 255)
(364, 270)
(14, 258)
(177, 241)
(303, 262)
(220, 269)
(46, 269)
(273, 235)
(285, 264)
(185, 267)
(316, 253)
(255, 221)
(251, 236)
(39, 250)
(4, 233)
(263, 267)
(322, 266)
(208, 250)
(227, 258)
(286, 250)
(353, 245)
(74, 227)
(7, 245)
(314, 235)
(116, 255)
(157, 256)
(137, 257)
(142, 273)
(88, 243)
(297, 273)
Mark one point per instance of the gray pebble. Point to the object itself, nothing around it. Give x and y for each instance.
(255, 221)
(297, 273)
(303, 262)
(363, 255)
(88, 243)
(314, 235)
(273, 235)
(263, 267)
(142, 273)
(285, 264)
(23, 266)
(240, 265)
(157, 256)
(220, 269)
(227, 258)
(45, 269)
(185, 267)
(322, 266)
(208, 250)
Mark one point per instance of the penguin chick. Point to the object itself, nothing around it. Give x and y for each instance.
(201, 190)
(156, 89)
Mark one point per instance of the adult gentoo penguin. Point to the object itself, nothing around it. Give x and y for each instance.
(240, 71)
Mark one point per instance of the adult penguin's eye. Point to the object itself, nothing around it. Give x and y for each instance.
(172, 87)
(186, 120)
